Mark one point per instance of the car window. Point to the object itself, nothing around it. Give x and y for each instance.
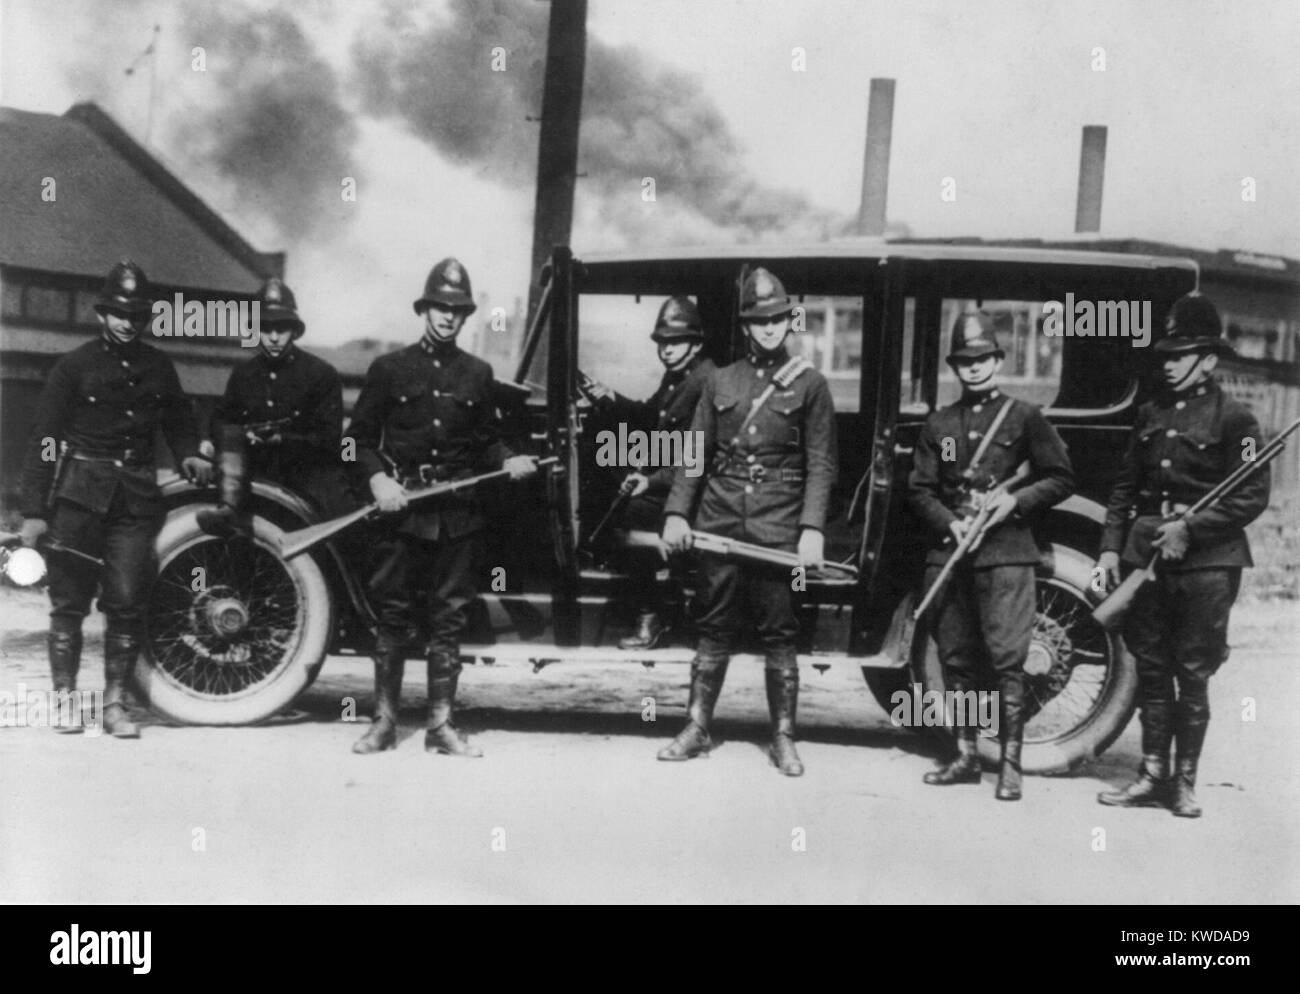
(614, 344)
(1032, 368)
(831, 339)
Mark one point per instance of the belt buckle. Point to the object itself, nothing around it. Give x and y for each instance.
(425, 473)
(757, 471)
(1167, 509)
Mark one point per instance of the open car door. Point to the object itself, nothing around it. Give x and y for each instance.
(562, 429)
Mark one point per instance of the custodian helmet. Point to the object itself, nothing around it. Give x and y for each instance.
(973, 337)
(277, 306)
(1193, 324)
(125, 289)
(678, 318)
(448, 284)
(763, 296)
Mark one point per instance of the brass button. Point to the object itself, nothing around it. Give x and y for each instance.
(1171, 433)
(753, 429)
(749, 489)
(437, 423)
(974, 434)
(1181, 404)
(272, 376)
(1165, 463)
(749, 458)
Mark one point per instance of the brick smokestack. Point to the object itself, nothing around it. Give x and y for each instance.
(875, 160)
(1092, 174)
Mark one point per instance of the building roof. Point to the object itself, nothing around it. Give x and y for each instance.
(112, 199)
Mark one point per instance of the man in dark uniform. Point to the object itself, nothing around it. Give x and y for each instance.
(101, 409)
(426, 414)
(679, 335)
(1185, 441)
(768, 427)
(280, 418)
(964, 451)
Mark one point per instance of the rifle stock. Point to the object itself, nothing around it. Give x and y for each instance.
(1111, 611)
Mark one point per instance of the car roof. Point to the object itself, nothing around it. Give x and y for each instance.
(876, 248)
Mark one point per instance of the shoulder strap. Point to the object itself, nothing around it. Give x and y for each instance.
(973, 465)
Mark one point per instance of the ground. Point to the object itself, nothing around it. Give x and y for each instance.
(570, 805)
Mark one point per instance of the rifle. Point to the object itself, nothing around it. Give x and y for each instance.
(708, 542)
(290, 544)
(621, 498)
(25, 570)
(978, 525)
(259, 428)
(1111, 611)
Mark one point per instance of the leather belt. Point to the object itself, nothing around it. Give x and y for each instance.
(427, 474)
(756, 472)
(118, 457)
(1164, 508)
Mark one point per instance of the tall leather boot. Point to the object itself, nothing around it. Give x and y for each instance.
(443, 736)
(650, 629)
(1012, 735)
(64, 642)
(121, 650)
(1151, 788)
(782, 676)
(1193, 711)
(965, 768)
(382, 733)
(707, 674)
(229, 518)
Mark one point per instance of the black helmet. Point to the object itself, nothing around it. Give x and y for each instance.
(678, 318)
(448, 284)
(277, 306)
(973, 336)
(126, 288)
(1193, 324)
(763, 296)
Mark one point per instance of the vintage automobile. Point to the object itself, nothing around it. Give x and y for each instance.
(238, 630)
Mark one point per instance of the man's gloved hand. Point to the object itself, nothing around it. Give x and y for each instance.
(636, 484)
(1173, 539)
(596, 390)
(1003, 505)
(812, 549)
(520, 467)
(32, 530)
(677, 533)
(197, 470)
(1108, 563)
(387, 492)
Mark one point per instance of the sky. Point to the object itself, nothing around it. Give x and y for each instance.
(749, 114)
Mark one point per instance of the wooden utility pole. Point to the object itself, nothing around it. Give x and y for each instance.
(875, 158)
(557, 147)
(1092, 175)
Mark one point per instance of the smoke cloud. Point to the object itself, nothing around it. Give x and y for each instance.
(638, 120)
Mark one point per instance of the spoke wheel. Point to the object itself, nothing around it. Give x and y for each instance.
(235, 633)
(1080, 681)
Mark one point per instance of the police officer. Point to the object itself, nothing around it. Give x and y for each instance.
(768, 427)
(280, 417)
(988, 605)
(1184, 442)
(426, 414)
(679, 335)
(100, 410)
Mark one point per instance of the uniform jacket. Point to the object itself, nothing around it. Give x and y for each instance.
(109, 399)
(1181, 446)
(939, 492)
(300, 386)
(430, 406)
(766, 484)
(670, 408)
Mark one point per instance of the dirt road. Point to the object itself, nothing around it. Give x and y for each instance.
(570, 805)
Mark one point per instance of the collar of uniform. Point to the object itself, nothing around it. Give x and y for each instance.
(769, 360)
(124, 350)
(970, 398)
(285, 357)
(1207, 388)
(438, 350)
